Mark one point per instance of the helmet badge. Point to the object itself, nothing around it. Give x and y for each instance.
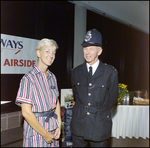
(88, 36)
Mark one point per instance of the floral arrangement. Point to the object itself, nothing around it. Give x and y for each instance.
(122, 92)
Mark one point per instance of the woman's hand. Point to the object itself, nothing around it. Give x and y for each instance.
(57, 133)
(48, 137)
(58, 130)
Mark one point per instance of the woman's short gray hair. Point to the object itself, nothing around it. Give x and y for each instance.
(46, 42)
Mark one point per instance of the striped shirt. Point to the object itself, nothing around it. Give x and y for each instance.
(41, 93)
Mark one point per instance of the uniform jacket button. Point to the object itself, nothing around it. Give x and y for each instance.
(89, 94)
(88, 113)
(90, 84)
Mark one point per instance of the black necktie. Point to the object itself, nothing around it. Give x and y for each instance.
(90, 71)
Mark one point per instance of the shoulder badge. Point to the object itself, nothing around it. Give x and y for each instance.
(111, 67)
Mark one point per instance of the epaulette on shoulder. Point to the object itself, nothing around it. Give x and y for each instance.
(111, 67)
(77, 67)
(74, 69)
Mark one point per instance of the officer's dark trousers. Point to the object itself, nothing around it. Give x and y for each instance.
(81, 142)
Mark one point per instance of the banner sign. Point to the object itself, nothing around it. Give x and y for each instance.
(18, 54)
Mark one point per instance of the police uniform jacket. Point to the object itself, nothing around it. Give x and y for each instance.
(94, 98)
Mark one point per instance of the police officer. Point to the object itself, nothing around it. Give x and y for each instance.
(95, 89)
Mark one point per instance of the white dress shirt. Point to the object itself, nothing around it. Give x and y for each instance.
(94, 66)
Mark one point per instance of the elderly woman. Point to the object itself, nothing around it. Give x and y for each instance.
(38, 97)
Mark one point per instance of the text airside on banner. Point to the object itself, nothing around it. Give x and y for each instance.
(18, 54)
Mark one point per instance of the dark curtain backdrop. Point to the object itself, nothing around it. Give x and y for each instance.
(37, 20)
(124, 47)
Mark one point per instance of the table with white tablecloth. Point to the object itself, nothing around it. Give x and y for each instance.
(130, 121)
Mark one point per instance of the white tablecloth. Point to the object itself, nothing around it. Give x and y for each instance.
(130, 121)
